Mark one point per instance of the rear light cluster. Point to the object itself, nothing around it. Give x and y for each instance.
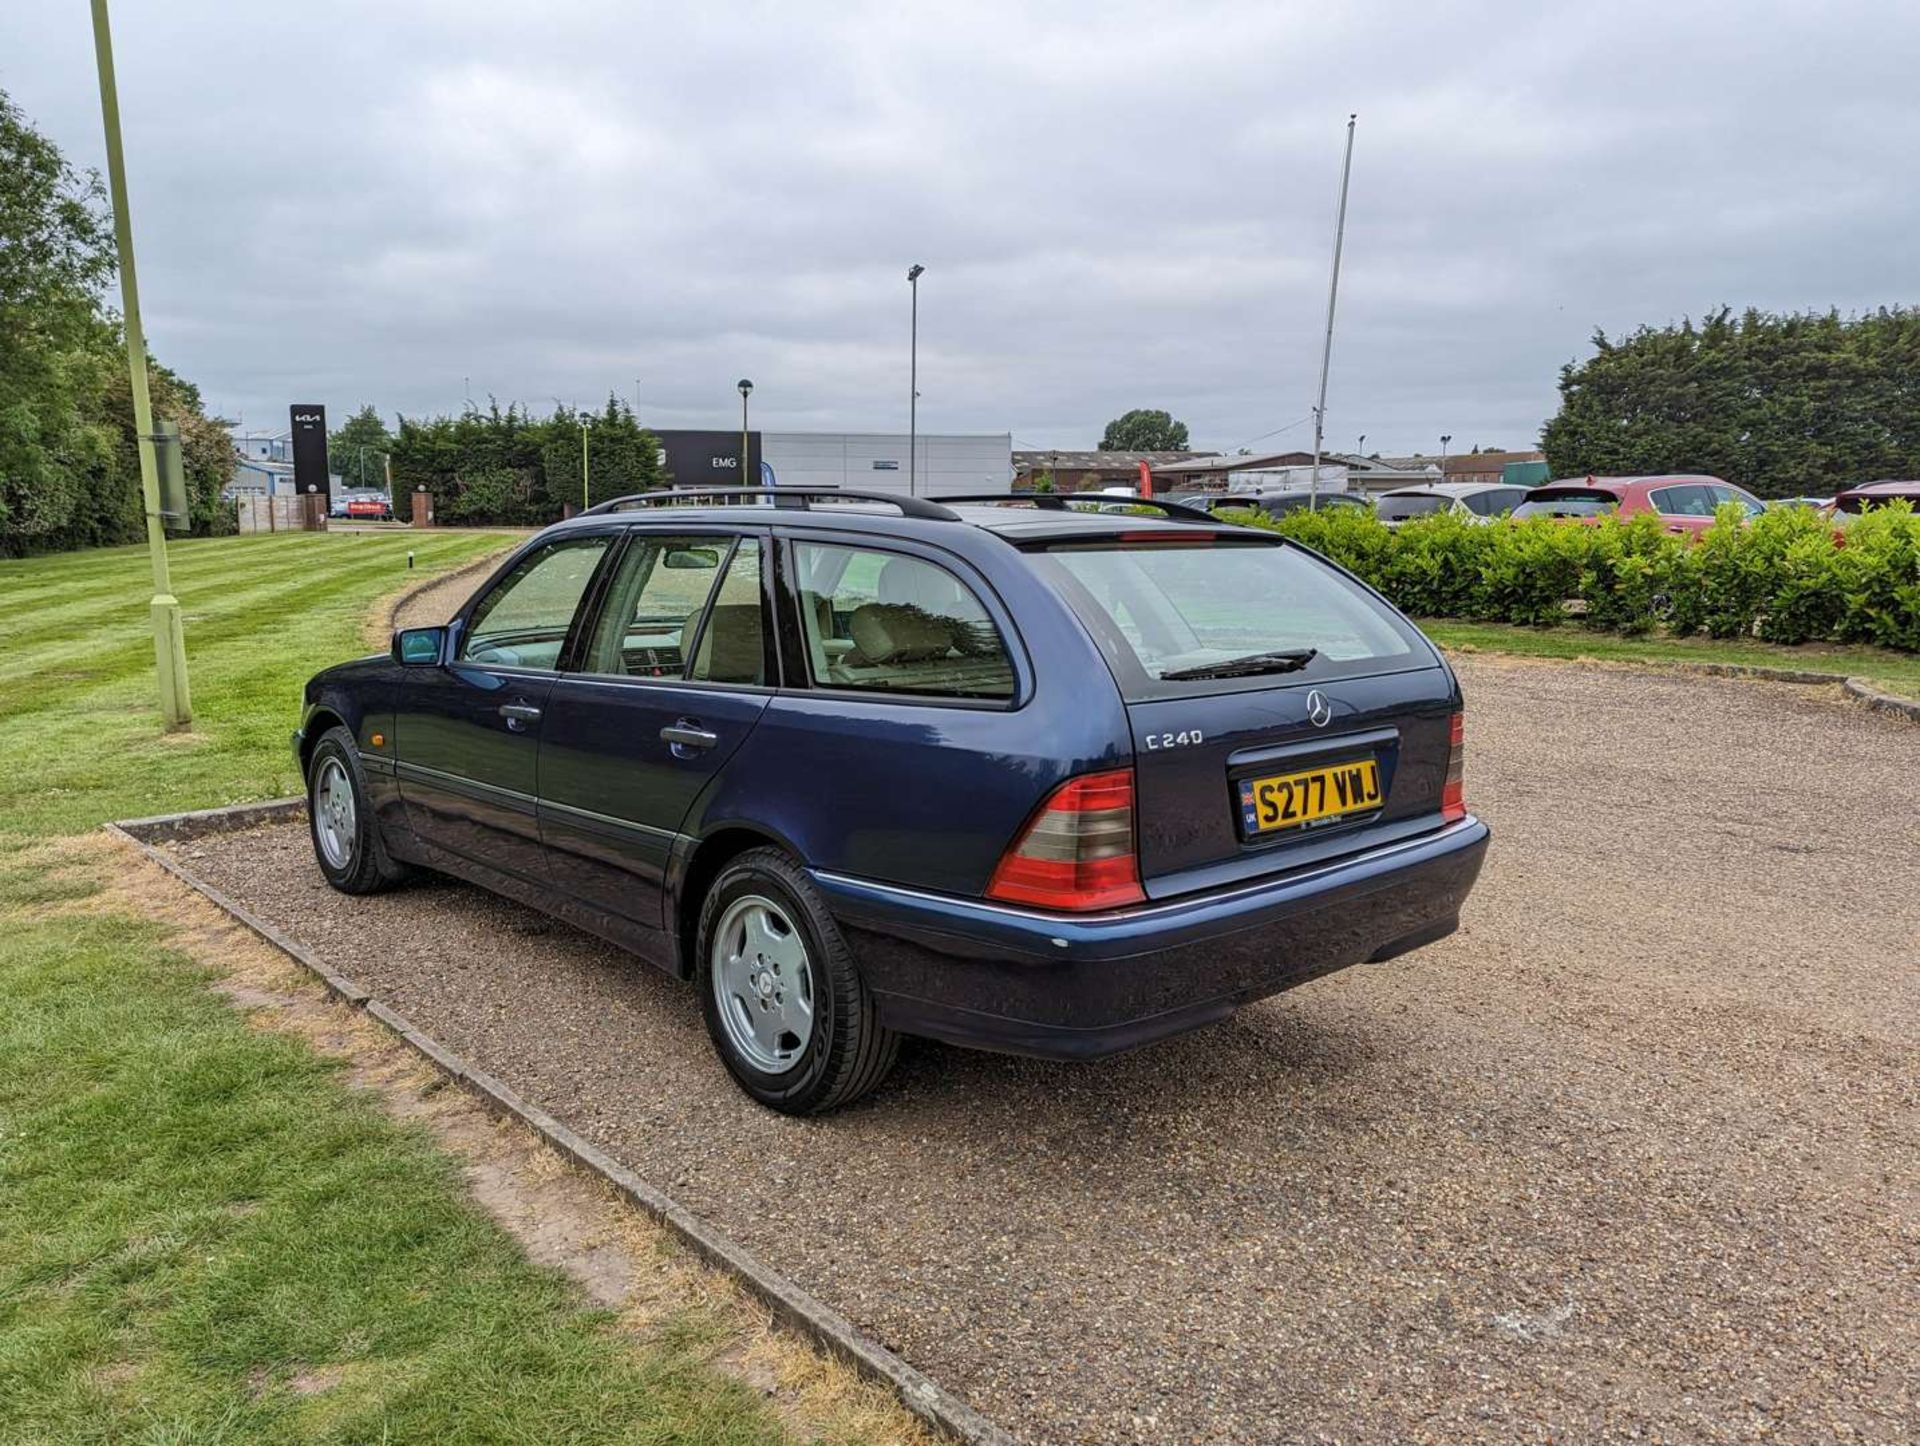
(1078, 852)
(1453, 796)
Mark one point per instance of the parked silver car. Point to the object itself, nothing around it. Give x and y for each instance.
(1477, 501)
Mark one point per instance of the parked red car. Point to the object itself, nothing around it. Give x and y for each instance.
(1684, 504)
(372, 509)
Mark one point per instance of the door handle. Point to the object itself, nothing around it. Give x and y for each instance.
(519, 715)
(687, 734)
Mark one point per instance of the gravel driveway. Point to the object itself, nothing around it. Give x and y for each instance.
(1638, 1150)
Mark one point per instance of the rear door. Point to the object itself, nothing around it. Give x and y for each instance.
(1685, 508)
(674, 672)
(1340, 744)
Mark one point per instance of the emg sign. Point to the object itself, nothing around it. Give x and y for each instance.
(693, 459)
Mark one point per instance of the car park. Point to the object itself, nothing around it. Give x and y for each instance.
(1011, 773)
(1685, 504)
(1476, 501)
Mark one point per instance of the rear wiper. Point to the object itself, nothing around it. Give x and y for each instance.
(1287, 660)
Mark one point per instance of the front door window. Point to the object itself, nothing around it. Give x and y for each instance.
(523, 622)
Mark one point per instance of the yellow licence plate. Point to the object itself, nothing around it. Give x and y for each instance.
(1293, 800)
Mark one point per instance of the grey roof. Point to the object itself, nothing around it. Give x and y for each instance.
(1066, 461)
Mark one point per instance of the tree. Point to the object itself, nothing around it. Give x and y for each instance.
(56, 350)
(1781, 404)
(69, 460)
(1142, 430)
(357, 449)
(506, 467)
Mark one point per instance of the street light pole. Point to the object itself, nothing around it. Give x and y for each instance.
(169, 642)
(1445, 437)
(746, 457)
(913, 382)
(1333, 291)
(586, 489)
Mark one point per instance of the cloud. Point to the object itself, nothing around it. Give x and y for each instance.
(1118, 204)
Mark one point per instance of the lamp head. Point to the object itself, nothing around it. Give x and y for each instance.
(914, 271)
(744, 385)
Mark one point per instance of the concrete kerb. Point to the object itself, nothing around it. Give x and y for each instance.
(796, 1308)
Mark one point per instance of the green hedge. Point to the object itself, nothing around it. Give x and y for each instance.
(1779, 577)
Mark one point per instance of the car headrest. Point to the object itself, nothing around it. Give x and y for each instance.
(898, 633)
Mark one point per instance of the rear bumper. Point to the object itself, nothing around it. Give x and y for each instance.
(1076, 987)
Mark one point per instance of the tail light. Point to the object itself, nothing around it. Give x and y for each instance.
(1078, 852)
(1453, 797)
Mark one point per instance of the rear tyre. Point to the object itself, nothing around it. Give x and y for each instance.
(788, 1012)
(346, 839)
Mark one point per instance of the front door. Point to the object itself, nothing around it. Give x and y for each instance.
(674, 675)
(467, 734)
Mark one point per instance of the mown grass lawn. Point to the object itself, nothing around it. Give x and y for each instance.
(1895, 672)
(80, 740)
(204, 1235)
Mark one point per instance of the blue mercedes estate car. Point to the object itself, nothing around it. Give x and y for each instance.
(1002, 772)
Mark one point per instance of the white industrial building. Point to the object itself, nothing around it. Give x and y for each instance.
(945, 465)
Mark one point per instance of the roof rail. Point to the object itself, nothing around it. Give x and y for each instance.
(909, 506)
(1057, 502)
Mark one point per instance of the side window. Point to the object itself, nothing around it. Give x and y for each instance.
(889, 623)
(733, 647)
(523, 622)
(1688, 501)
(657, 601)
(1754, 507)
(1496, 502)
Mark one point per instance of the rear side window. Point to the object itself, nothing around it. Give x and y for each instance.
(1399, 509)
(1181, 608)
(885, 622)
(1495, 501)
(1568, 504)
(683, 607)
(1687, 501)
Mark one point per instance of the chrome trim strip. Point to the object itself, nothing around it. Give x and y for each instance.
(1169, 906)
(472, 788)
(606, 820)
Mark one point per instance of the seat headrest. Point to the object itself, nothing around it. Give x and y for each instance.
(898, 633)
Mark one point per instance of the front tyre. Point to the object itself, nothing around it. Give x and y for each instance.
(346, 839)
(786, 1008)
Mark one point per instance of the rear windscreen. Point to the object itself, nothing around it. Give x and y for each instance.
(1182, 606)
(1399, 509)
(1568, 504)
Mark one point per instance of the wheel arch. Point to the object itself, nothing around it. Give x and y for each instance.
(318, 722)
(696, 873)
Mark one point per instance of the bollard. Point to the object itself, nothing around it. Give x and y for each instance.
(409, 559)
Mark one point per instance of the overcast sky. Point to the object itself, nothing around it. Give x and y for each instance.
(1117, 205)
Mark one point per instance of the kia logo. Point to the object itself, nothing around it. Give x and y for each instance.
(1319, 710)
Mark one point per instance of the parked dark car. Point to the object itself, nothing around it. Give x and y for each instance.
(1033, 778)
(1855, 500)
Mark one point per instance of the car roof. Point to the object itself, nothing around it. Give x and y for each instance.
(1883, 489)
(1453, 489)
(1014, 523)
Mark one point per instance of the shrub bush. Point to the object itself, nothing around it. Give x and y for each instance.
(1780, 576)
